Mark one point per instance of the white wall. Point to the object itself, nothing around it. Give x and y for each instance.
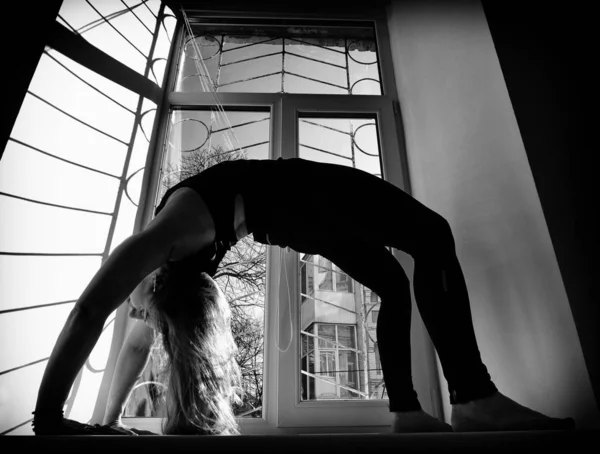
(467, 162)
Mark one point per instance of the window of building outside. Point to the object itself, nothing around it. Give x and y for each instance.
(235, 89)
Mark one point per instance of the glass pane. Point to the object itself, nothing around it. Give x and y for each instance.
(343, 283)
(346, 337)
(121, 30)
(326, 335)
(307, 277)
(163, 47)
(351, 142)
(363, 69)
(62, 183)
(81, 144)
(142, 11)
(327, 364)
(328, 75)
(243, 71)
(124, 97)
(198, 139)
(87, 20)
(126, 22)
(57, 279)
(324, 277)
(34, 331)
(61, 230)
(348, 375)
(69, 147)
(275, 58)
(22, 386)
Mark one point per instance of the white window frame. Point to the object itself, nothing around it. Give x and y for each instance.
(283, 411)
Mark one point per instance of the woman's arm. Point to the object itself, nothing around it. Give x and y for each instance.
(132, 361)
(182, 228)
(129, 263)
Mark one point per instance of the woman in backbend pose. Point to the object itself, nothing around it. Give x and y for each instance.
(165, 274)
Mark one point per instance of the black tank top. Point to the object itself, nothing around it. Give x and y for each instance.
(218, 186)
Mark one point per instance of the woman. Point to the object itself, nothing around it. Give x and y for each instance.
(199, 219)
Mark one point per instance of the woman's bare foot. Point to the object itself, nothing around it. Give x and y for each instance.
(500, 413)
(417, 421)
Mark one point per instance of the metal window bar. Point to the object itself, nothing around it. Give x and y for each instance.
(98, 22)
(336, 344)
(116, 29)
(54, 205)
(68, 24)
(283, 53)
(327, 302)
(346, 370)
(75, 118)
(52, 254)
(38, 306)
(7, 371)
(323, 267)
(131, 10)
(87, 83)
(62, 159)
(335, 383)
(122, 188)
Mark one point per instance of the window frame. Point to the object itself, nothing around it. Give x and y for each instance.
(283, 410)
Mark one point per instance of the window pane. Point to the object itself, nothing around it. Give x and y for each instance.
(274, 58)
(351, 142)
(324, 275)
(30, 227)
(57, 279)
(343, 283)
(346, 337)
(28, 173)
(348, 375)
(22, 386)
(67, 138)
(326, 335)
(327, 364)
(374, 316)
(308, 277)
(33, 331)
(61, 172)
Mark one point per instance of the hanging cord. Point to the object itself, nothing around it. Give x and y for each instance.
(281, 254)
(209, 87)
(277, 288)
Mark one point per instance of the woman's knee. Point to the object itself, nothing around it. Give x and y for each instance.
(436, 236)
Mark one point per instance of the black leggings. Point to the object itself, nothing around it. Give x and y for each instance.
(349, 217)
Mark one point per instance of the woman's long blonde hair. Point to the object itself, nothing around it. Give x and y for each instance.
(202, 375)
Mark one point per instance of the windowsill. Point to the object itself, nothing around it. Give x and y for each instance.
(258, 426)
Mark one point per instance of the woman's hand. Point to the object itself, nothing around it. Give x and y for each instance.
(118, 425)
(63, 426)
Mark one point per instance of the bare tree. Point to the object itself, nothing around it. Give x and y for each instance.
(241, 275)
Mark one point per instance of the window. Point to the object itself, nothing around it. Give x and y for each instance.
(307, 279)
(374, 297)
(324, 274)
(320, 88)
(337, 376)
(374, 316)
(328, 276)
